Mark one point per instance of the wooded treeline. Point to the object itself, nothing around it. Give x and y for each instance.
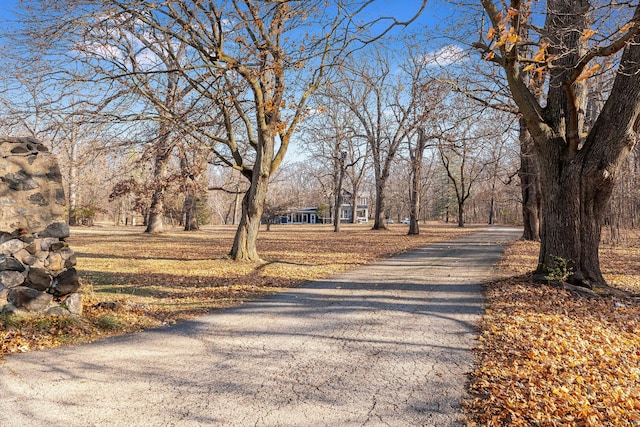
(184, 110)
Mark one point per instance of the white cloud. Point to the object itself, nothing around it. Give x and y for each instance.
(446, 55)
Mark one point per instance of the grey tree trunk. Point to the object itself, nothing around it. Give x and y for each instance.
(73, 178)
(244, 245)
(190, 213)
(338, 190)
(416, 182)
(160, 170)
(529, 186)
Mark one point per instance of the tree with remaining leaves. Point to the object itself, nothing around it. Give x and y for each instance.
(258, 67)
(250, 67)
(578, 163)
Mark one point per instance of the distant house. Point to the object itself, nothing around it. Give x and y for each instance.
(302, 216)
(346, 209)
(309, 215)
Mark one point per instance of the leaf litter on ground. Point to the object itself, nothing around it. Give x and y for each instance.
(546, 357)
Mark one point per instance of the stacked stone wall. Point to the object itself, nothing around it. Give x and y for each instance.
(37, 267)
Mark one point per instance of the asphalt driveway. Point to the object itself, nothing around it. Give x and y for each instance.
(385, 344)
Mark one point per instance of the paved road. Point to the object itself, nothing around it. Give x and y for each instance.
(385, 344)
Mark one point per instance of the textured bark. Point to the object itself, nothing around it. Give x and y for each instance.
(416, 183)
(190, 213)
(577, 173)
(244, 245)
(156, 208)
(379, 219)
(529, 186)
(577, 182)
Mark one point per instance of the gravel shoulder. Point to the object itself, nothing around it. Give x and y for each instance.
(385, 344)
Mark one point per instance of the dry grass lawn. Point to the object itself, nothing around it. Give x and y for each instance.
(159, 279)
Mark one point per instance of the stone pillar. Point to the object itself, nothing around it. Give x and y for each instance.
(37, 273)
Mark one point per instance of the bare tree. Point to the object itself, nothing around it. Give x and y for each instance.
(424, 107)
(253, 47)
(416, 154)
(251, 66)
(330, 139)
(464, 139)
(488, 88)
(371, 92)
(146, 62)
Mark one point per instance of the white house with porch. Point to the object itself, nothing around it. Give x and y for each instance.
(302, 216)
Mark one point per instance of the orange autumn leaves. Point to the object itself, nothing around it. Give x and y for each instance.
(547, 358)
(506, 35)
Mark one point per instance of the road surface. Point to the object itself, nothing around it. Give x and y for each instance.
(384, 344)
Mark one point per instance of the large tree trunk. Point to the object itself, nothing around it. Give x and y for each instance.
(529, 186)
(575, 195)
(461, 213)
(244, 245)
(156, 210)
(379, 222)
(576, 188)
(416, 183)
(190, 213)
(577, 182)
(161, 167)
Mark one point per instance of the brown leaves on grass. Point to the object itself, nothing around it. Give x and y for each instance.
(547, 358)
(158, 279)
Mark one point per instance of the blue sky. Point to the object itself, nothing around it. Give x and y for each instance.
(7, 7)
(401, 9)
